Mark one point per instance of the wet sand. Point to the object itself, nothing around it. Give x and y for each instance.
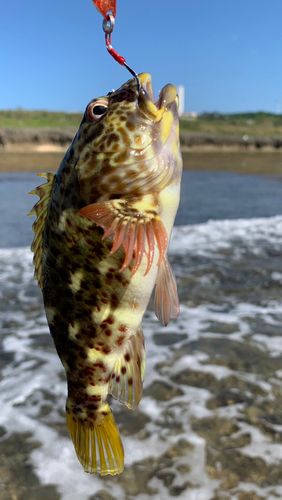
(261, 162)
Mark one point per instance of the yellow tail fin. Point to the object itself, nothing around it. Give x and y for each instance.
(98, 446)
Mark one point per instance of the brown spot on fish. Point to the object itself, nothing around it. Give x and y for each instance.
(120, 340)
(130, 126)
(96, 397)
(121, 157)
(130, 381)
(114, 300)
(110, 320)
(101, 366)
(124, 136)
(106, 350)
(109, 277)
(112, 138)
(127, 357)
(92, 406)
(122, 328)
(123, 370)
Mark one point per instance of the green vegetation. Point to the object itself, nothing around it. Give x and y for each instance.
(238, 124)
(20, 119)
(253, 124)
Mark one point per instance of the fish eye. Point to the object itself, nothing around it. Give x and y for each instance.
(97, 109)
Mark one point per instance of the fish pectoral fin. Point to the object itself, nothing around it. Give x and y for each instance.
(166, 296)
(98, 446)
(126, 383)
(40, 211)
(133, 225)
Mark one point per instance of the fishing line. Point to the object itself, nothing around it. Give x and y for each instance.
(108, 10)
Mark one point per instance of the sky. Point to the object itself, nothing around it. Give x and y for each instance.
(226, 53)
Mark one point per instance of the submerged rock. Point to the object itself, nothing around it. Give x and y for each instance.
(18, 479)
(162, 391)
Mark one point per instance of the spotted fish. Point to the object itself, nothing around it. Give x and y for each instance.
(102, 228)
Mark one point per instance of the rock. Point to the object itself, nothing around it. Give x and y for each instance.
(102, 495)
(168, 338)
(18, 478)
(136, 479)
(214, 429)
(267, 416)
(228, 397)
(131, 422)
(242, 357)
(249, 495)
(225, 328)
(162, 391)
(196, 379)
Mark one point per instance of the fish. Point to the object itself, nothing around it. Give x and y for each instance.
(101, 234)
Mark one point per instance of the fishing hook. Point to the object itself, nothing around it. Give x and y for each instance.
(108, 26)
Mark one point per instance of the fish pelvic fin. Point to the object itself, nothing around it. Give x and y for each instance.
(40, 211)
(166, 300)
(98, 446)
(126, 383)
(134, 225)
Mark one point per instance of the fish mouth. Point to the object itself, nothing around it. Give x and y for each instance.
(168, 97)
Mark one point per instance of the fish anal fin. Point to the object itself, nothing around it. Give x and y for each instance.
(40, 211)
(126, 383)
(98, 446)
(166, 296)
(133, 225)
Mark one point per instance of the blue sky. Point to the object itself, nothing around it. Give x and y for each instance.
(227, 53)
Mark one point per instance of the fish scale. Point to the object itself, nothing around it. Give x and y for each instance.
(100, 246)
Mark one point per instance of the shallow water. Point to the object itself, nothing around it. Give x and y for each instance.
(209, 425)
(204, 196)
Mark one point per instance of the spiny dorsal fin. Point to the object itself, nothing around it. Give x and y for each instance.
(40, 211)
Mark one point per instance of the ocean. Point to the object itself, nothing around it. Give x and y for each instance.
(209, 426)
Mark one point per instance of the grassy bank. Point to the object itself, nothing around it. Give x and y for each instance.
(238, 124)
(39, 119)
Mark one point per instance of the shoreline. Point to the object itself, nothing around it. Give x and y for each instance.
(216, 147)
(47, 157)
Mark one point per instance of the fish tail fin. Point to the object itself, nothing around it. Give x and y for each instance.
(98, 445)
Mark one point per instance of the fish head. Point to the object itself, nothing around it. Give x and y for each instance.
(124, 128)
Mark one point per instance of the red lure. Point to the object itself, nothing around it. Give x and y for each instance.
(106, 7)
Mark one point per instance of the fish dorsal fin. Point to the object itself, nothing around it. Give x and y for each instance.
(128, 374)
(40, 211)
